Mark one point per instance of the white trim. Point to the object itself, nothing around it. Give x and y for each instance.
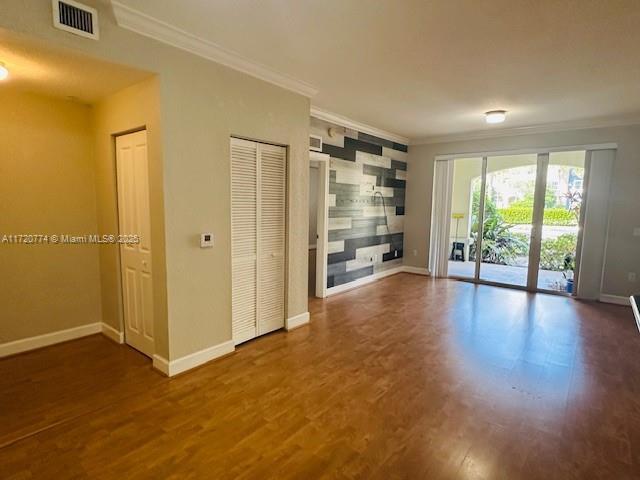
(297, 321)
(530, 130)
(343, 121)
(615, 299)
(377, 276)
(39, 341)
(318, 157)
(161, 364)
(363, 281)
(193, 360)
(525, 151)
(416, 270)
(112, 333)
(151, 27)
(322, 222)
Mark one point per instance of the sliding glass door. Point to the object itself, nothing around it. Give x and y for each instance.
(510, 183)
(560, 228)
(465, 214)
(520, 217)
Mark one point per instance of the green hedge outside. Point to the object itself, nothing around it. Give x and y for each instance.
(524, 216)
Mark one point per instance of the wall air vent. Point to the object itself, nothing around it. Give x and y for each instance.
(315, 143)
(75, 18)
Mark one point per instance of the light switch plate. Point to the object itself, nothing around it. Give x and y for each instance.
(206, 240)
(636, 232)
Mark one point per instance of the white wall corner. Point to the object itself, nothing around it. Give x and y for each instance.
(39, 341)
(161, 364)
(143, 24)
(297, 321)
(193, 360)
(111, 333)
(614, 299)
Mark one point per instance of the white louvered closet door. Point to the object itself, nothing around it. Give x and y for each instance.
(271, 237)
(258, 173)
(244, 238)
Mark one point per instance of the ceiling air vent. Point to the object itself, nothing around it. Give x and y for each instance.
(75, 18)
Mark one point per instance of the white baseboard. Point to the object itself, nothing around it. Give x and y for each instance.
(615, 299)
(415, 270)
(112, 333)
(363, 281)
(31, 343)
(297, 321)
(161, 364)
(182, 364)
(376, 276)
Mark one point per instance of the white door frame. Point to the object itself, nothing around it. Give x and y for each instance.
(535, 243)
(322, 241)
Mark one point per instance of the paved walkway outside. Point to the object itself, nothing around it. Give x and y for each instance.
(511, 275)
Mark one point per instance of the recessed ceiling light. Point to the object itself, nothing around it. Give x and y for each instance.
(495, 116)
(4, 73)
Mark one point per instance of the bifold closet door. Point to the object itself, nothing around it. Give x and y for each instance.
(271, 237)
(258, 175)
(244, 238)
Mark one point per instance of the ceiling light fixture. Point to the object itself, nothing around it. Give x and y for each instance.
(4, 73)
(495, 116)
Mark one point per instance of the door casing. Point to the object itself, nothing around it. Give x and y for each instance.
(322, 241)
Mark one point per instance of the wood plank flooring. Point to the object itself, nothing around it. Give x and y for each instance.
(408, 377)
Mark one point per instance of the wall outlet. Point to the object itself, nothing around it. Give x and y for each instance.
(632, 277)
(415, 253)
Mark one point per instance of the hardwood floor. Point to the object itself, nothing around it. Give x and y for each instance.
(408, 377)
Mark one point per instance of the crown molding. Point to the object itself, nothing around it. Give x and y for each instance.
(331, 117)
(602, 122)
(143, 24)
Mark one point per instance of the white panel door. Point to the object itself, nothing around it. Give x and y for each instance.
(258, 175)
(135, 259)
(271, 237)
(244, 239)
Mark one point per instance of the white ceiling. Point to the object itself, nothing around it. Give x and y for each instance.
(427, 68)
(36, 67)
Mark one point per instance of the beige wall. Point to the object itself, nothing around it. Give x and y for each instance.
(133, 108)
(46, 187)
(623, 250)
(202, 104)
